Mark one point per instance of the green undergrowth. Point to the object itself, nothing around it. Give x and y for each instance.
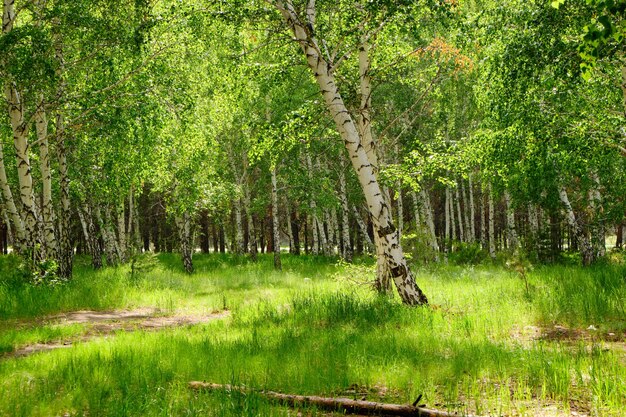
(315, 329)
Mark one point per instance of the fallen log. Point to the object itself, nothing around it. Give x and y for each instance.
(345, 405)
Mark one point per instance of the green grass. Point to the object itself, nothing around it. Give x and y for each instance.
(310, 330)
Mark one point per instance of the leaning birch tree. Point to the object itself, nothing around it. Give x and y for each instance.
(323, 64)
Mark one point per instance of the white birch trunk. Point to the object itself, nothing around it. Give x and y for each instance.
(238, 249)
(275, 230)
(5, 217)
(459, 213)
(130, 228)
(183, 224)
(50, 248)
(91, 236)
(25, 180)
(289, 230)
(427, 214)
(66, 251)
(472, 212)
(466, 216)
(122, 242)
(598, 238)
(336, 240)
(8, 18)
(400, 211)
(136, 229)
(315, 249)
(252, 244)
(108, 236)
(346, 250)
(511, 234)
(328, 247)
(446, 204)
(363, 230)
(492, 229)
(416, 211)
(483, 224)
(453, 234)
(584, 244)
(11, 209)
(314, 220)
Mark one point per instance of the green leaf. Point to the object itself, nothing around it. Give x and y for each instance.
(557, 3)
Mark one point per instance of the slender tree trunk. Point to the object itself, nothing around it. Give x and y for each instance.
(108, 236)
(448, 231)
(346, 250)
(238, 244)
(7, 224)
(363, 229)
(427, 214)
(416, 211)
(65, 247)
(533, 223)
(122, 241)
(472, 210)
(327, 231)
(598, 238)
(222, 238)
(295, 230)
(337, 235)
(50, 248)
(275, 230)
(511, 235)
(459, 213)
(252, 244)
(25, 179)
(483, 224)
(91, 236)
(11, 209)
(323, 240)
(466, 214)
(586, 249)
(133, 222)
(313, 206)
(65, 244)
(137, 229)
(8, 19)
(492, 232)
(183, 224)
(204, 235)
(288, 219)
(315, 248)
(307, 247)
(108, 240)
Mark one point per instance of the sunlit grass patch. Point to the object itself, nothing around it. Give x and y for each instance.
(310, 330)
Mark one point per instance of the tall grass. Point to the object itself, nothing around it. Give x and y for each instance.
(325, 335)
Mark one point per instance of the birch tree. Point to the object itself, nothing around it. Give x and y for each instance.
(302, 24)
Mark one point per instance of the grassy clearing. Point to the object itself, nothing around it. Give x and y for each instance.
(309, 330)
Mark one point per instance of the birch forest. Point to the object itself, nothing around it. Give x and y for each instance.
(450, 169)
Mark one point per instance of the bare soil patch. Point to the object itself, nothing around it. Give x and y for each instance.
(102, 323)
(566, 334)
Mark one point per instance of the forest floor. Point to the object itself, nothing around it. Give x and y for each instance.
(104, 323)
(488, 345)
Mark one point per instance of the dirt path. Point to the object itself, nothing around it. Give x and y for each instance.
(102, 323)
